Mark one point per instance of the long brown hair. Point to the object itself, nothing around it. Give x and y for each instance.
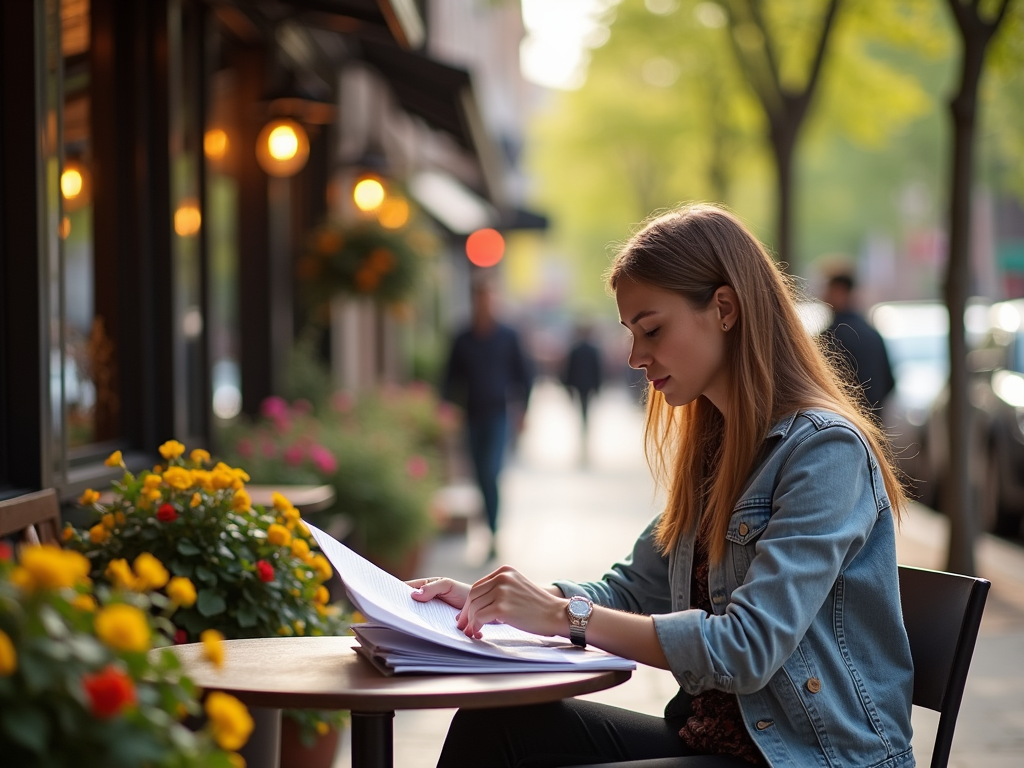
(776, 369)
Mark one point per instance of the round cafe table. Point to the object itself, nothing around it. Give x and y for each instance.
(327, 673)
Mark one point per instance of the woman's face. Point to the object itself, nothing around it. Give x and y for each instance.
(681, 349)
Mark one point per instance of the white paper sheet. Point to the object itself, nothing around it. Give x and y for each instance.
(387, 601)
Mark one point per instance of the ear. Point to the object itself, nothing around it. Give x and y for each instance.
(727, 303)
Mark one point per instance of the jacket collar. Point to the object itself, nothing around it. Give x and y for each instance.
(781, 427)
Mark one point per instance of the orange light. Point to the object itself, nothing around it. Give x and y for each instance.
(368, 194)
(282, 147)
(71, 183)
(215, 144)
(485, 247)
(187, 219)
(394, 213)
(64, 230)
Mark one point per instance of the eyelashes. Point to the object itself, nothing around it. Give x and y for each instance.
(652, 333)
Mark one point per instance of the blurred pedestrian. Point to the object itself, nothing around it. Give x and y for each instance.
(858, 342)
(768, 585)
(487, 372)
(583, 373)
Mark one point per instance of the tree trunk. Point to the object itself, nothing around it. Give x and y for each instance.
(957, 501)
(784, 133)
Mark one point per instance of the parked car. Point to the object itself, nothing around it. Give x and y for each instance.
(996, 399)
(916, 336)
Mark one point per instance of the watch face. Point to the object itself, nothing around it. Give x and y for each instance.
(578, 608)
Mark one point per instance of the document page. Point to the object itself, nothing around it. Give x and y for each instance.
(387, 601)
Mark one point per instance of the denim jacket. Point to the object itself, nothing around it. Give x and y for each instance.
(807, 628)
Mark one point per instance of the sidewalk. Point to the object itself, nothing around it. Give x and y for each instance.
(563, 519)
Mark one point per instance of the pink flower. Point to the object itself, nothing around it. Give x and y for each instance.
(294, 455)
(417, 467)
(301, 407)
(341, 402)
(274, 407)
(244, 448)
(323, 459)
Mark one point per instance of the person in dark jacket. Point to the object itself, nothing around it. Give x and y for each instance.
(858, 342)
(487, 370)
(583, 373)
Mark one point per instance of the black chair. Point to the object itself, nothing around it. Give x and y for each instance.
(942, 615)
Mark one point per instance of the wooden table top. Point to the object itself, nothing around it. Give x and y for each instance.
(326, 673)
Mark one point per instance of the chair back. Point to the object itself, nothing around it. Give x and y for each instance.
(942, 615)
(32, 518)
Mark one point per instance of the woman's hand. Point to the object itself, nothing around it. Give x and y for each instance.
(507, 597)
(447, 590)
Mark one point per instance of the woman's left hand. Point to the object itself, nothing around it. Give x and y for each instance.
(505, 596)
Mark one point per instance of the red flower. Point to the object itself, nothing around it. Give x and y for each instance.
(109, 691)
(180, 637)
(5, 550)
(166, 514)
(264, 570)
(417, 467)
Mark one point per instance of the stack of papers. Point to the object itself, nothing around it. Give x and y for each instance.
(408, 636)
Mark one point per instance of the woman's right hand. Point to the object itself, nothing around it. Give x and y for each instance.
(447, 590)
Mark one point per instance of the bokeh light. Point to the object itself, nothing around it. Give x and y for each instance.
(393, 213)
(368, 194)
(215, 144)
(485, 247)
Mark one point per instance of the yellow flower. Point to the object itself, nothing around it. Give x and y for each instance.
(119, 518)
(322, 567)
(303, 529)
(358, 618)
(280, 502)
(8, 655)
(88, 498)
(98, 534)
(199, 456)
(108, 521)
(241, 502)
(172, 449)
(196, 500)
(236, 760)
(327, 610)
(150, 572)
(68, 533)
(120, 574)
(230, 721)
(202, 478)
(291, 515)
(50, 567)
(114, 460)
(150, 482)
(181, 591)
(213, 644)
(299, 548)
(322, 728)
(221, 478)
(277, 534)
(323, 596)
(241, 474)
(178, 477)
(284, 630)
(123, 628)
(84, 603)
(300, 626)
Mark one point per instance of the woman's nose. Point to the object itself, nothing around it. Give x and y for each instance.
(637, 358)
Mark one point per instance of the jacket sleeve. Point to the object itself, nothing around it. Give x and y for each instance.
(638, 583)
(823, 510)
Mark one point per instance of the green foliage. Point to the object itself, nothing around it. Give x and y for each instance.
(314, 723)
(253, 569)
(54, 713)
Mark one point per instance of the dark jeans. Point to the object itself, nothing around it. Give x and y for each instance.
(564, 733)
(487, 436)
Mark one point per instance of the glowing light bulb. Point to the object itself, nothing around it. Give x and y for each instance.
(215, 144)
(368, 194)
(282, 143)
(282, 147)
(71, 183)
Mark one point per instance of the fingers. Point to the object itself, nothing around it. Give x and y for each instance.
(450, 591)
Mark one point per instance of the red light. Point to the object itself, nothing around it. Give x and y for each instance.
(485, 247)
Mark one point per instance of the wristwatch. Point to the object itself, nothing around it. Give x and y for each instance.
(579, 609)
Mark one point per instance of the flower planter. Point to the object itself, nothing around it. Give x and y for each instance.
(295, 754)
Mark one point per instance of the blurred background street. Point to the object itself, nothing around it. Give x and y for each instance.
(565, 518)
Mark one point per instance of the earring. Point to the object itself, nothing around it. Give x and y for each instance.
(725, 327)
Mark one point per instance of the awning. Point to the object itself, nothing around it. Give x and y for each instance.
(399, 18)
(443, 96)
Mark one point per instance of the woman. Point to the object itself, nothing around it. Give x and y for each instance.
(768, 585)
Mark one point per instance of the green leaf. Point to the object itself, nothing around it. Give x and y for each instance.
(205, 575)
(209, 603)
(27, 726)
(246, 615)
(187, 548)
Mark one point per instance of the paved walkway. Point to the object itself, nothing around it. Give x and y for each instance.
(562, 517)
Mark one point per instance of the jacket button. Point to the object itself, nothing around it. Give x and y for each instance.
(814, 685)
(762, 725)
(744, 529)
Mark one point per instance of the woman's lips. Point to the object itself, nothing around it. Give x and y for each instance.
(659, 383)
